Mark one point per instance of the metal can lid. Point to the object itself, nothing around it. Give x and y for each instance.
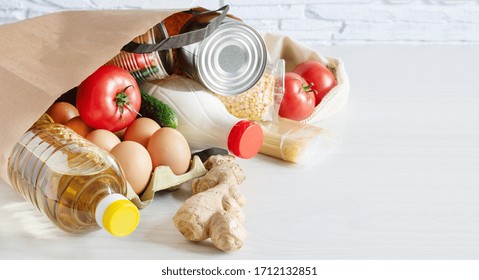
(232, 59)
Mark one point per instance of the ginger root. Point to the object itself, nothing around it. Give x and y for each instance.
(214, 211)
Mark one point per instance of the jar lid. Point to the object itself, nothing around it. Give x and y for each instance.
(245, 139)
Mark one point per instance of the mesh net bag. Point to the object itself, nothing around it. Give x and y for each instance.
(294, 52)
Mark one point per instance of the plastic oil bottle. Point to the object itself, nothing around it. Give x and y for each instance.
(78, 186)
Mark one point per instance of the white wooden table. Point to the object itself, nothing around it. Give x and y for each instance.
(404, 183)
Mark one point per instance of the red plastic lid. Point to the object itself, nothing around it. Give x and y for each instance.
(245, 139)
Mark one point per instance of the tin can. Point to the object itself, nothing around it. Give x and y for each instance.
(147, 66)
(229, 61)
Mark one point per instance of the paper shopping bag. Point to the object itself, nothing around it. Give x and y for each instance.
(44, 57)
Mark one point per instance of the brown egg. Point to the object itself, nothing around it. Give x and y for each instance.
(79, 126)
(167, 146)
(135, 162)
(140, 130)
(103, 138)
(62, 112)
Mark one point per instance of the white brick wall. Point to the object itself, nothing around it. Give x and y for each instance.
(315, 22)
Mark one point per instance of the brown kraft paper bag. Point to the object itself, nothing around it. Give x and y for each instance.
(44, 57)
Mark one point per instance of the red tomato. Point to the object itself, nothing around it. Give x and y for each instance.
(298, 99)
(109, 99)
(315, 73)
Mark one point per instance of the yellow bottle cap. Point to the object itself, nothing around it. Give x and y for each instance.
(121, 218)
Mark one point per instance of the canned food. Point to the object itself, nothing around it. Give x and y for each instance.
(147, 66)
(229, 61)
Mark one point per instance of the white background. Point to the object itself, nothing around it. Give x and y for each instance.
(315, 22)
(404, 184)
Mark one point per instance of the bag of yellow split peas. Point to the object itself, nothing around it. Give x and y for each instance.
(261, 102)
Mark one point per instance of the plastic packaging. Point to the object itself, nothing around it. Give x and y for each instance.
(78, 186)
(296, 142)
(262, 101)
(203, 119)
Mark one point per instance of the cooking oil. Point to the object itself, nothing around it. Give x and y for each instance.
(77, 185)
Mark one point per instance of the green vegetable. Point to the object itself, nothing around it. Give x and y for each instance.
(155, 109)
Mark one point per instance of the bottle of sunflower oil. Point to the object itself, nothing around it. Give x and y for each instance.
(78, 186)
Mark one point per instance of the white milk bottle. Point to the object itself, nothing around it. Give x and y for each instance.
(203, 119)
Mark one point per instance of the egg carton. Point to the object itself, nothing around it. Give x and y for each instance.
(164, 179)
